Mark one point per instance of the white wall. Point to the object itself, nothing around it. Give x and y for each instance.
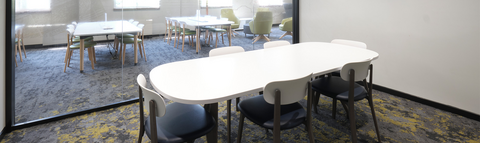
(2, 65)
(428, 48)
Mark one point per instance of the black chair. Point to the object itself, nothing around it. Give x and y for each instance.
(278, 108)
(345, 89)
(174, 122)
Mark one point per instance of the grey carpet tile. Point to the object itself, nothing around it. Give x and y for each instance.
(42, 89)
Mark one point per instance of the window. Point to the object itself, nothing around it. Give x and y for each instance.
(270, 2)
(216, 3)
(32, 5)
(136, 4)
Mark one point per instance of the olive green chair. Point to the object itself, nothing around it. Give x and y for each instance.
(261, 24)
(287, 25)
(228, 13)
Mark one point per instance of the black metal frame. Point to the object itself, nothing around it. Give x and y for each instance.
(10, 76)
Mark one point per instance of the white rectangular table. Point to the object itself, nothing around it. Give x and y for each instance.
(197, 22)
(215, 79)
(86, 29)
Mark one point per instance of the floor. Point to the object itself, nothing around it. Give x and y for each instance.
(43, 90)
(399, 121)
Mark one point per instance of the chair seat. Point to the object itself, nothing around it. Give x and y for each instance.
(87, 44)
(218, 30)
(124, 35)
(182, 123)
(207, 27)
(77, 39)
(188, 33)
(255, 108)
(336, 87)
(181, 30)
(129, 40)
(234, 26)
(336, 73)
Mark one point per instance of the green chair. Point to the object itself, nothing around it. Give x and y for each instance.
(228, 13)
(287, 25)
(88, 44)
(261, 24)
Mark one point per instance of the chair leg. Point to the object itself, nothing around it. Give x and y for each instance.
(24, 51)
(370, 102)
(238, 101)
(91, 57)
(94, 56)
(67, 56)
(19, 51)
(344, 104)
(334, 108)
(140, 50)
(183, 41)
(229, 103)
(216, 39)
(71, 53)
(353, 128)
(145, 55)
(240, 128)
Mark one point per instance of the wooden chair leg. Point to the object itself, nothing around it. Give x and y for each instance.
(140, 49)
(229, 104)
(24, 51)
(353, 128)
(19, 51)
(70, 57)
(94, 56)
(370, 102)
(216, 39)
(120, 54)
(183, 41)
(143, 45)
(240, 128)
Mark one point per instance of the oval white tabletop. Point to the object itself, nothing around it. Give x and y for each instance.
(216, 79)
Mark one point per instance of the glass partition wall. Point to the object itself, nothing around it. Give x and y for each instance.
(50, 80)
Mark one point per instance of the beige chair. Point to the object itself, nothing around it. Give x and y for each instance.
(19, 43)
(278, 108)
(224, 51)
(88, 44)
(272, 44)
(346, 89)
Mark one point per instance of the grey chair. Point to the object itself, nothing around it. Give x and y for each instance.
(345, 89)
(175, 122)
(278, 108)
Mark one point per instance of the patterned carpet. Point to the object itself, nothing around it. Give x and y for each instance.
(43, 90)
(400, 120)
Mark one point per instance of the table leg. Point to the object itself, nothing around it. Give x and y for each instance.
(198, 38)
(212, 136)
(82, 51)
(229, 35)
(135, 48)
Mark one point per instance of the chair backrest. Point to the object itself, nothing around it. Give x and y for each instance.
(135, 23)
(350, 43)
(291, 90)
(131, 20)
(228, 13)
(71, 26)
(275, 44)
(225, 50)
(151, 95)
(70, 35)
(361, 70)
(262, 23)
(74, 23)
(262, 9)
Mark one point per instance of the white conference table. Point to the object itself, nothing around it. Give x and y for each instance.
(86, 29)
(215, 79)
(198, 22)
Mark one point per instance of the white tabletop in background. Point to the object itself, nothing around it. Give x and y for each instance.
(219, 78)
(97, 28)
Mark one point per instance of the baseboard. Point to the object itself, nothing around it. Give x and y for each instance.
(2, 133)
(433, 104)
(73, 114)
